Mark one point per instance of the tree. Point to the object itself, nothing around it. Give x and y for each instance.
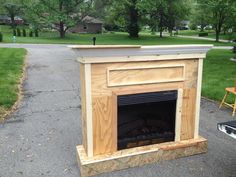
(58, 14)
(199, 16)
(12, 10)
(132, 19)
(156, 10)
(220, 11)
(126, 15)
(177, 11)
(164, 13)
(100, 8)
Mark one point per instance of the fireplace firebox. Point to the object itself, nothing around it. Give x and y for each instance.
(139, 105)
(146, 118)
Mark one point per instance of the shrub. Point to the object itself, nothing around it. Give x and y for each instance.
(31, 34)
(14, 32)
(1, 37)
(24, 32)
(18, 32)
(203, 34)
(36, 33)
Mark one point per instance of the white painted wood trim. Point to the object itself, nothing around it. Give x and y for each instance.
(178, 114)
(109, 84)
(90, 47)
(115, 59)
(198, 98)
(89, 115)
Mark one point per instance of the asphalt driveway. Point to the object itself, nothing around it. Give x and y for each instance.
(40, 138)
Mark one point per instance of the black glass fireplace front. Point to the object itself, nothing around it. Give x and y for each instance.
(147, 118)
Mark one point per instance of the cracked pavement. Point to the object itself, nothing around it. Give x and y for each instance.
(40, 138)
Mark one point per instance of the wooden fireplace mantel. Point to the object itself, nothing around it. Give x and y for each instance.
(109, 71)
(129, 53)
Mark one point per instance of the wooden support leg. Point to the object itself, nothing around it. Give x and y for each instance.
(223, 101)
(234, 108)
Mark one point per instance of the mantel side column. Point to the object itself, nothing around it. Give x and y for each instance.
(198, 98)
(86, 104)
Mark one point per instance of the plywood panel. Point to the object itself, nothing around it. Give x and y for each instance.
(188, 114)
(138, 156)
(145, 75)
(105, 124)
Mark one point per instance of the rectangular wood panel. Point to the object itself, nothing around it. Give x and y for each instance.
(104, 124)
(145, 75)
(188, 114)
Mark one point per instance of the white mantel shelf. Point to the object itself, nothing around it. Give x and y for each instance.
(129, 53)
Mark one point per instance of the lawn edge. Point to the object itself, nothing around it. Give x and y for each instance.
(20, 93)
(210, 100)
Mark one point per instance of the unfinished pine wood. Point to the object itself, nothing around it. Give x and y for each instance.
(198, 98)
(229, 90)
(178, 115)
(145, 75)
(116, 59)
(188, 114)
(100, 87)
(105, 124)
(138, 156)
(100, 80)
(89, 112)
(117, 70)
(83, 106)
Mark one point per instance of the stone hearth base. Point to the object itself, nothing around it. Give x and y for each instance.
(138, 156)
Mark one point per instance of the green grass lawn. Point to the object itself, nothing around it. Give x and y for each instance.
(219, 72)
(107, 38)
(11, 67)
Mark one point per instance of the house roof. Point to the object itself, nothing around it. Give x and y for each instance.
(89, 19)
(4, 17)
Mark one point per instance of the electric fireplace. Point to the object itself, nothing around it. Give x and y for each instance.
(140, 105)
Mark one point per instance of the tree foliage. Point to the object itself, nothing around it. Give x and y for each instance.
(126, 15)
(58, 14)
(219, 13)
(12, 9)
(164, 13)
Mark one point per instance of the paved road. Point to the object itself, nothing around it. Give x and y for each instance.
(39, 139)
(204, 38)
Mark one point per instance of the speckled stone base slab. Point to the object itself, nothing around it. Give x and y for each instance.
(138, 156)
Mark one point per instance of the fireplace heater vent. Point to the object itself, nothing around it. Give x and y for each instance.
(133, 99)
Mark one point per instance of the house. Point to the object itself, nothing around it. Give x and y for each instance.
(5, 20)
(88, 25)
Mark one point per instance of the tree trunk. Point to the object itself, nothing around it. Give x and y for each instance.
(161, 24)
(62, 30)
(61, 24)
(171, 32)
(202, 28)
(218, 30)
(13, 24)
(217, 35)
(132, 24)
